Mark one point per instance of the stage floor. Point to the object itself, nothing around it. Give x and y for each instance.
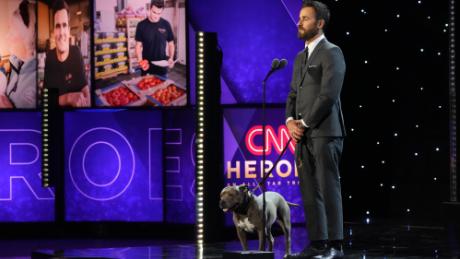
(362, 241)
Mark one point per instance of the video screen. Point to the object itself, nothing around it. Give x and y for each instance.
(64, 50)
(18, 58)
(140, 53)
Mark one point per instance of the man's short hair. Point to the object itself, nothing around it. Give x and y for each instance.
(157, 3)
(321, 10)
(59, 5)
(24, 12)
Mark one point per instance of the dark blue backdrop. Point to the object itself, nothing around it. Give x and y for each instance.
(179, 165)
(114, 166)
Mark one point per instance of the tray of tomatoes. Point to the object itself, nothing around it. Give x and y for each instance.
(120, 95)
(170, 95)
(147, 84)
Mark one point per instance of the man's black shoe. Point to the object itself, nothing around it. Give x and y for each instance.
(307, 253)
(333, 253)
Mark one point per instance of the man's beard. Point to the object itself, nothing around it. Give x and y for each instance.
(307, 35)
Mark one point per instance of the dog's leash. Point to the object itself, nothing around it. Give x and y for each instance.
(274, 165)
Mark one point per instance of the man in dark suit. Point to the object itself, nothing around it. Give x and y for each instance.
(314, 119)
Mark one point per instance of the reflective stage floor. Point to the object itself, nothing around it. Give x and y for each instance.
(362, 241)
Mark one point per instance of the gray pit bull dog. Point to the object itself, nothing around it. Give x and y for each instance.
(247, 214)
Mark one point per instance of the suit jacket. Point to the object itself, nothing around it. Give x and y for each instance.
(315, 91)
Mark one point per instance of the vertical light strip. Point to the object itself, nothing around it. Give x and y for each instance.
(453, 106)
(45, 139)
(200, 143)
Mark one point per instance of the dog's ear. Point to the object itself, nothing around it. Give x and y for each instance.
(243, 188)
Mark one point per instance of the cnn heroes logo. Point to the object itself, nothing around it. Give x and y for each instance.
(275, 141)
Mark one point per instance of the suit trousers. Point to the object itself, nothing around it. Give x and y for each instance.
(317, 162)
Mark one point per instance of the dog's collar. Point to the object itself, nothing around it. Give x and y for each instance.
(243, 208)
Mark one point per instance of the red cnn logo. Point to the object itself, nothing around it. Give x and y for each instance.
(272, 140)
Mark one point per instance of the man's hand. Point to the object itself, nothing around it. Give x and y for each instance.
(144, 64)
(170, 63)
(5, 102)
(83, 101)
(86, 96)
(296, 129)
(76, 99)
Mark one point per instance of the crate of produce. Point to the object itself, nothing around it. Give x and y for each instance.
(147, 84)
(119, 45)
(106, 46)
(100, 36)
(119, 95)
(170, 95)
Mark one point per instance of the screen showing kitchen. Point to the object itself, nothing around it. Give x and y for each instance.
(140, 53)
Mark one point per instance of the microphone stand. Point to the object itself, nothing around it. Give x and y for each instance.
(275, 65)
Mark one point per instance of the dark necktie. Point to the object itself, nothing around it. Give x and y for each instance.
(304, 65)
(306, 56)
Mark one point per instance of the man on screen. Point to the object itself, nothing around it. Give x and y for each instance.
(155, 41)
(64, 67)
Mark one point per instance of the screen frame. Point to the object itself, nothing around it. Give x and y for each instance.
(93, 69)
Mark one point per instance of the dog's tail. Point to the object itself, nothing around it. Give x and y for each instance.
(292, 204)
